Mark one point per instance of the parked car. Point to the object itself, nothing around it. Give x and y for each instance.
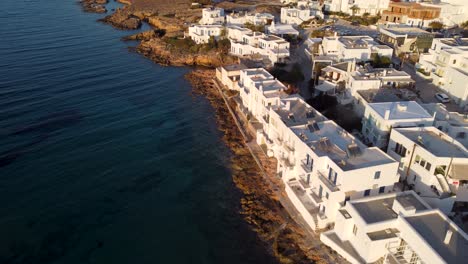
(355, 23)
(443, 98)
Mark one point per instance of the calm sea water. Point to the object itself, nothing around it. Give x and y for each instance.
(106, 157)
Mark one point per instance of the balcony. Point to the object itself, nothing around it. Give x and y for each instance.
(304, 184)
(306, 167)
(315, 197)
(329, 184)
(289, 148)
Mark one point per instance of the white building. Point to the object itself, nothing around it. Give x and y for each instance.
(447, 63)
(433, 163)
(327, 166)
(240, 19)
(229, 75)
(376, 78)
(451, 14)
(373, 7)
(334, 78)
(405, 38)
(359, 48)
(212, 15)
(281, 30)
(397, 228)
(380, 118)
(321, 164)
(259, 90)
(236, 33)
(270, 47)
(202, 33)
(301, 13)
(452, 123)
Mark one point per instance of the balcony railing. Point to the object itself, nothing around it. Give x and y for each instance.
(304, 184)
(316, 198)
(305, 166)
(329, 184)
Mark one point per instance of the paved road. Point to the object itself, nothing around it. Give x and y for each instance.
(343, 28)
(427, 89)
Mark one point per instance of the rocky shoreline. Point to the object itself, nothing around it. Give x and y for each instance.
(94, 6)
(260, 207)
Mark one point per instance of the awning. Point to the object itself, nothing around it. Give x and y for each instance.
(459, 171)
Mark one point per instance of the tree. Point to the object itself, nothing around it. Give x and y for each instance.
(436, 25)
(380, 61)
(464, 24)
(355, 9)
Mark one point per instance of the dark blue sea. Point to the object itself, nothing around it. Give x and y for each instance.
(106, 157)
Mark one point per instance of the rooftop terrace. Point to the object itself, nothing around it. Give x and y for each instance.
(328, 139)
(380, 209)
(435, 141)
(400, 110)
(404, 30)
(295, 111)
(433, 227)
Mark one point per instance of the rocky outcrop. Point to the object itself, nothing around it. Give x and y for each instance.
(123, 18)
(160, 52)
(94, 6)
(146, 35)
(171, 25)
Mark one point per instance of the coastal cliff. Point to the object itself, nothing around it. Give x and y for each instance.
(166, 54)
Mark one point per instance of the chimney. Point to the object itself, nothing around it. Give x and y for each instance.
(387, 114)
(384, 73)
(448, 236)
(335, 34)
(288, 105)
(260, 88)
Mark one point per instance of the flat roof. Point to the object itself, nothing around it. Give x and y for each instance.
(326, 138)
(380, 209)
(356, 42)
(434, 141)
(234, 67)
(400, 110)
(295, 111)
(455, 42)
(383, 234)
(441, 111)
(258, 74)
(433, 228)
(405, 30)
(380, 95)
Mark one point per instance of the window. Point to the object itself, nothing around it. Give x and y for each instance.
(377, 175)
(382, 189)
(454, 61)
(428, 166)
(367, 192)
(326, 195)
(400, 150)
(417, 159)
(423, 163)
(354, 229)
